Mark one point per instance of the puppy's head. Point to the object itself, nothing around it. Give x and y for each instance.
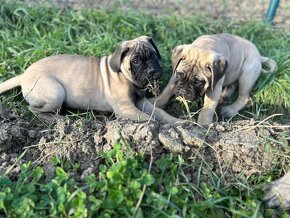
(138, 60)
(196, 70)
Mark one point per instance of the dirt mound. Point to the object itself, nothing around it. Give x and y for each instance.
(229, 150)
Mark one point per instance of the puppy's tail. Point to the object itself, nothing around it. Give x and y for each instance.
(271, 64)
(10, 84)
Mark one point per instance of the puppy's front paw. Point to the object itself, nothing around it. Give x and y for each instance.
(278, 193)
(205, 117)
(227, 112)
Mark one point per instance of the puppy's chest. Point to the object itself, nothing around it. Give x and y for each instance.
(137, 94)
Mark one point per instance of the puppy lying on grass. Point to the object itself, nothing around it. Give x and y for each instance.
(113, 83)
(213, 66)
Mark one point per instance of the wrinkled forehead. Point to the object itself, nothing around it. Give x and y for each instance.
(202, 56)
(143, 48)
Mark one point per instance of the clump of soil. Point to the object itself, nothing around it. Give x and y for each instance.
(230, 150)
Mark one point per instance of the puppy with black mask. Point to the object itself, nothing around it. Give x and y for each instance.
(113, 83)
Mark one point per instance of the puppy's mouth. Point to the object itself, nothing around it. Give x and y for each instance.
(190, 90)
(148, 79)
(157, 75)
(186, 96)
(189, 95)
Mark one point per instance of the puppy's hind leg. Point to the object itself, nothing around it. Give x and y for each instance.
(45, 97)
(249, 75)
(46, 117)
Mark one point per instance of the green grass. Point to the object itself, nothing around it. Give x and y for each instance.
(28, 34)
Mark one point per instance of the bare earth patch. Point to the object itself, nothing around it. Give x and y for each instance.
(230, 150)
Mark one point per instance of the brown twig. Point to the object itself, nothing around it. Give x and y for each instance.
(259, 123)
(154, 88)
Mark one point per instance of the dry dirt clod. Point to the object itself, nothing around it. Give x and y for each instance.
(220, 128)
(171, 140)
(139, 135)
(192, 135)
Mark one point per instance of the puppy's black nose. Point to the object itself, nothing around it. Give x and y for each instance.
(151, 72)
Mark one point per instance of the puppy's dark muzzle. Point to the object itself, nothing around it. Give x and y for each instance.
(186, 94)
(154, 74)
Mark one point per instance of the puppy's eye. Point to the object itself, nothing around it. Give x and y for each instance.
(208, 68)
(136, 61)
(181, 74)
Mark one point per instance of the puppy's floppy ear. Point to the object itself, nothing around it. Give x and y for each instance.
(154, 46)
(218, 68)
(176, 56)
(117, 56)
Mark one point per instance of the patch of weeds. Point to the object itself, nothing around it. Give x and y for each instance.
(64, 164)
(120, 182)
(30, 195)
(126, 186)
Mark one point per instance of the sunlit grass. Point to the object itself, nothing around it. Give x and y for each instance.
(28, 34)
